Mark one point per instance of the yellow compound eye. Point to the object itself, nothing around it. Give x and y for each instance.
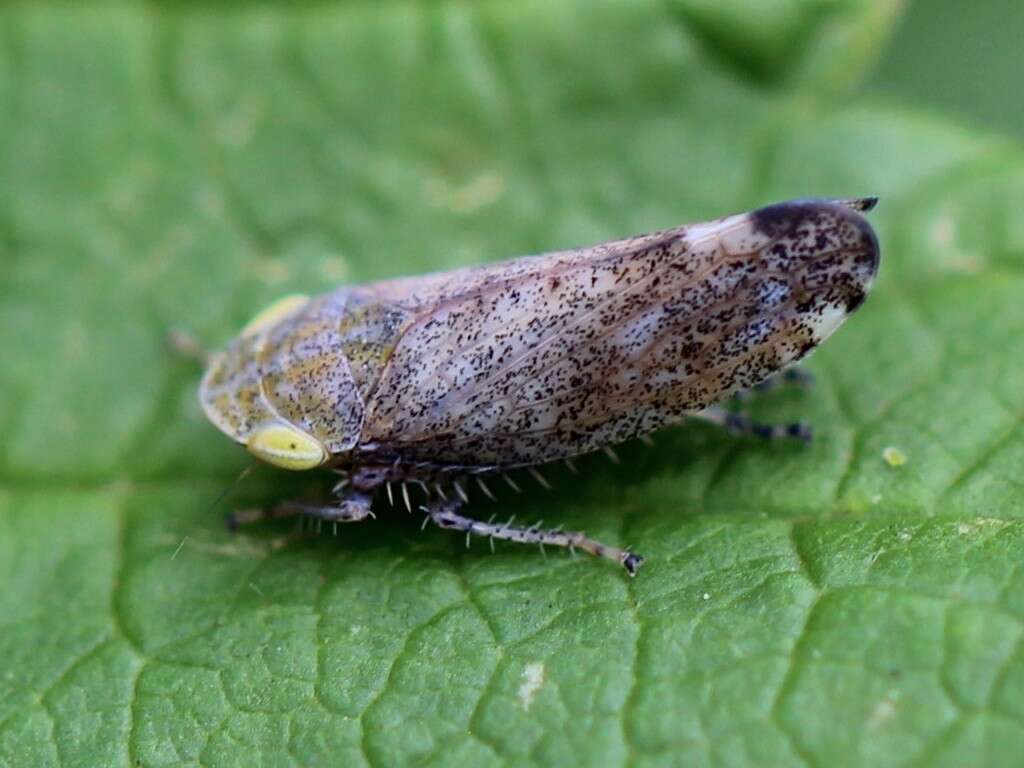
(286, 447)
(276, 311)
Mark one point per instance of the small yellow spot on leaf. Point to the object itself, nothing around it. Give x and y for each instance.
(894, 457)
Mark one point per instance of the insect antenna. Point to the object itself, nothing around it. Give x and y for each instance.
(178, 548)
(231, 486)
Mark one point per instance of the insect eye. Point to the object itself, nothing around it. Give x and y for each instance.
(286, 447)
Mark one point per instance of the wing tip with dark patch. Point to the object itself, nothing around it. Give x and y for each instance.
(860, 204)
(777, 218)
(780, 219)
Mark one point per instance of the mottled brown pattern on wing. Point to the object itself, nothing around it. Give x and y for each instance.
(551, 356)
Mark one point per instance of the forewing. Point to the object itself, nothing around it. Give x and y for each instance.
(550, 356)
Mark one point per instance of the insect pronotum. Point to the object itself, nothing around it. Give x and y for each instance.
(444, 378)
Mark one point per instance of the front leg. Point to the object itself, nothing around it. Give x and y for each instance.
(350, 508)
(445, 514)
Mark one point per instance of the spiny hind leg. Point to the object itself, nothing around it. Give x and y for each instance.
(350, 508)
(445, 514)
(741, 425)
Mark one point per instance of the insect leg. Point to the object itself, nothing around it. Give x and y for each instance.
(788, 377)
(445, 514)
(349, 509)
(741, 425)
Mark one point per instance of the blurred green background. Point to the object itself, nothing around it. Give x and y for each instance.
(965, 58)
(183, 164)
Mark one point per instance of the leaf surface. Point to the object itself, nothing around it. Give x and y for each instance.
(180, 167)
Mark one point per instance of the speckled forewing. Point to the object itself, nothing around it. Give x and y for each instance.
(551, 356)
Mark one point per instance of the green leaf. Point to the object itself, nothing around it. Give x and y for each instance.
(179, 167)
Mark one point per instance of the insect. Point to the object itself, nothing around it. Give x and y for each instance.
(449, 377)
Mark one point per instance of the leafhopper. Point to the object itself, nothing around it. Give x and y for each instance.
(447, 378)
